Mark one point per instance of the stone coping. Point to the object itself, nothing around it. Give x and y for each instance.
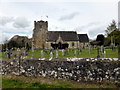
(67, 59)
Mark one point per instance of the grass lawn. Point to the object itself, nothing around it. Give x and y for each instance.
(84, 54)
(40, 82)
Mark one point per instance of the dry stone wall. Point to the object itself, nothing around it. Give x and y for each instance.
(82, 70)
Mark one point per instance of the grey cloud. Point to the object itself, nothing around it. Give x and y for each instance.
(21, 22)
(68, 17)
(89, 25)
(4, 20)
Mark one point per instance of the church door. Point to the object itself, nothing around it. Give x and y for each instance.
(59, 45)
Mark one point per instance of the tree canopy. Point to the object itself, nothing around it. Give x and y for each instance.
(100, 39)
(112, 27)
(113, 34)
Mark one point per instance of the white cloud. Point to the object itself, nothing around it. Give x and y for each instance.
(21, 22)
(10, 26)
(69, 16)
(5, 20)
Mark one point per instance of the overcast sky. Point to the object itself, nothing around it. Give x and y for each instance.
(84, 16)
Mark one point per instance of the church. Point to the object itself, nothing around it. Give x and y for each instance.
(42, 38)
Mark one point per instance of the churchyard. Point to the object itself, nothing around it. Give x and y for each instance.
(83, 72)
(67, 53)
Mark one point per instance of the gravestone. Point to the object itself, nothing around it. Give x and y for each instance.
(78, 51)
(98, 53)
(90, 49)
(56, 53)
(62, 52)
(74, 53)
(104, 54)
(51, 54)
(42, 54)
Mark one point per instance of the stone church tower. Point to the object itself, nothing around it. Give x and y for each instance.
(39, 34)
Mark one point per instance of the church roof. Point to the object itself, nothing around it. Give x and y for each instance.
(65, 35)
(83, 38)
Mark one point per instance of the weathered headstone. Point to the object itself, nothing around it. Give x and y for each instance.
(56, 53)
(63, 52)
(51, 54)
(98, 52)
(78, 51)
(90, 49)
(104, 54)
(74, 53)
(42, 54)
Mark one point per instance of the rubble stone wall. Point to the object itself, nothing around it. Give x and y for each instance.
(82, 70)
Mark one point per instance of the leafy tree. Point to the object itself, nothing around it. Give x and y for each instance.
(116, 37)
(100, 39)
(111, 28)
(113, 34)
(12, 44)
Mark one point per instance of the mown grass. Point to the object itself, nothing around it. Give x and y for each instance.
(84, 54)
(16, 83)
(40, 82)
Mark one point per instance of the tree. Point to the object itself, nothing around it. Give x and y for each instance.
(112, 27)
(113, 34)
(100, 39)
(12, 44)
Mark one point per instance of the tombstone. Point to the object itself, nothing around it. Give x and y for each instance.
(90, 49)
(56, 53)
(74, 53)
(42, 54)
(101, 48)
(104, 54)
(18, 49)
(78, 51)
(51, 54)
(62, 52)
(98, 56)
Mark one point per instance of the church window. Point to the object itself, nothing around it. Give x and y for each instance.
(72, 43)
